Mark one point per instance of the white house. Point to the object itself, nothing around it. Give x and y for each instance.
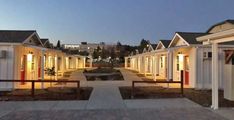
(194, 57)
(21, 54)
(24, 56)
(221, 33)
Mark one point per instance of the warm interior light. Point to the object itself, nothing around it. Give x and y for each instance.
(181, 57)
(29, 57)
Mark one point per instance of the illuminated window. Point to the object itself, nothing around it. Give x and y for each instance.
(177, 63)
(33, 63)
(161, 62)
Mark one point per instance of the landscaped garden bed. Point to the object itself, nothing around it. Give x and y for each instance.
(53, 93)
(103, 74)
(202, 97)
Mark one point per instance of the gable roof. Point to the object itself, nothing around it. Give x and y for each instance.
(150, 47)
(187, 37)
(144, 50)
(190, 37)
(220, 23)
(46, 43)
(44, 40)
(154, 45)
(165, 43)
(15, 36)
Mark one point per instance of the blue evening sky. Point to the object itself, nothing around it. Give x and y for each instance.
(127, 21)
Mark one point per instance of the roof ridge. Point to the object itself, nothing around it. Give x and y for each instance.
(17, 30)
(230, 20)
(164, 40)
(219, 23)
(193, 32)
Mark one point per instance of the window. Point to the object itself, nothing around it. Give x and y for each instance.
(204, 55)
(187, 63)
(209, 54)
(33, 64)
(59, 63)
(22, 63)
(161, 62)
(177, 63)
(232, 60)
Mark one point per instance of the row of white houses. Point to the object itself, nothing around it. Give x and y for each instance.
(25, 56)
(207, 60)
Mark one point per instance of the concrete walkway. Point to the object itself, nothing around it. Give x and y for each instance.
(77, 75)
(105, 97)
(106, 103)
(116, 114)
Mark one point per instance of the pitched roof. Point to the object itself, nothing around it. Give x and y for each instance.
(44, 40)
(166, 43)
(154, 45)
(190, 37)
(46, 43)
(220, 23)
(15, 36)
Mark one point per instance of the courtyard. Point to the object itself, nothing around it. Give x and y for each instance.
(106, 102)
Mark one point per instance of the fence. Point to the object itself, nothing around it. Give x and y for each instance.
(181, 82)
(44, 81)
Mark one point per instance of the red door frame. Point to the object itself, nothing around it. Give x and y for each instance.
(23, 69)
(39, 67)
(186, 71)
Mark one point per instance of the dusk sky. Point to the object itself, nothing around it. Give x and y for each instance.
(127, 21)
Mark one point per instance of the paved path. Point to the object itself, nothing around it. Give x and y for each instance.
(105, 97)
(116, 114)
(77, 75)
(163, 109)
(106, 103)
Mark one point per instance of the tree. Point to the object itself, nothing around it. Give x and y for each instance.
(143, 44)
(99, 49)
(104, 53)
(118, 45)
(95, 54)
(58, 45)
(113, 56)
(112, 53)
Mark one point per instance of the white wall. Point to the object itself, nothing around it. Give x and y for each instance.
(229, 82)
(7, 67)
(204, 69)
(142, 68)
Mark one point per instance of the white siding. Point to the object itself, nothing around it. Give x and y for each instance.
(204, 69)
(6, 67)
